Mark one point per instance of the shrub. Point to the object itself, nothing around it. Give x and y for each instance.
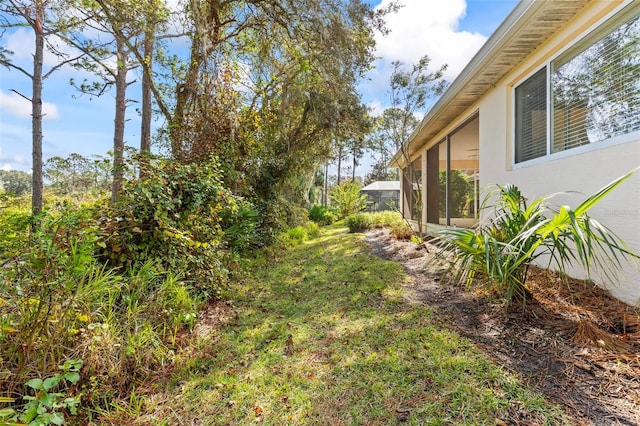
(322, 215)
(296, 235)
(14, 228)
(49, 292)
(385, 218)
(181, 217)
(401, 230)
(133, 329)
(358, 222)
(347, 200)
(520, 233)
(240, 227)
(277, 215)
(313, 230)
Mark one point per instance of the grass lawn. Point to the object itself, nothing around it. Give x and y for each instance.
(323, 336)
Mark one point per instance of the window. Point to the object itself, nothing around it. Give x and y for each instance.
(531, 117)
(592, 93)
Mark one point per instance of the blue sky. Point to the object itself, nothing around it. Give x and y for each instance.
(449, 31)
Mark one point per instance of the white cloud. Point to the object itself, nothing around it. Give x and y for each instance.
(375, 108)
(18, 106)
(22, 43)
(429, 27)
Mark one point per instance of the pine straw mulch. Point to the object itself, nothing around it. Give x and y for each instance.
(574, 343)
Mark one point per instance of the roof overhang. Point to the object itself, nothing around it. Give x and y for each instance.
(529, 24)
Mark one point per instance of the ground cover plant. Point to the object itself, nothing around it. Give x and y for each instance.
(111, 285)
(519, 233)
(319, 333)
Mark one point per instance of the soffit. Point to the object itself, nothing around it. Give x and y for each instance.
(526, 28)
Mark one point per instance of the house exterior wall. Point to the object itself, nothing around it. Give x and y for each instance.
(581, 171)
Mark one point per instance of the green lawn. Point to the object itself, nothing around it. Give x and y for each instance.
(323, 336)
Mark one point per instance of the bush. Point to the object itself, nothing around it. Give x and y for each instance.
(58, 302)
(15, 219)
(520, 233)
(347, 199)
(49, 293)
(322, 215)
(359, 222)
(313, 230)
(182, 218)
(296, 235)
(385, 219)
(277, 215)
(401, 230)
(134, 327)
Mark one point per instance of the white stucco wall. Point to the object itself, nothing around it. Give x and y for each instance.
(583, 172)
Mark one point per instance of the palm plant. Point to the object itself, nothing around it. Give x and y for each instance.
(519, 234)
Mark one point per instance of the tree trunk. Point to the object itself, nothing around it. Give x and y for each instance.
(339, 163)
(355, 164)
(119, 120)
(36, 112)
(326, 184)
(145, 131)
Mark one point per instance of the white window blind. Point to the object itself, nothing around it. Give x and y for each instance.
(531, 117)
(595, 88)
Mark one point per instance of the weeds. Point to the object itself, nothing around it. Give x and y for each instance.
(48, 406)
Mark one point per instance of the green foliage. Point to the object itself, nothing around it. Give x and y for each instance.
(347, 199)
(131, 334)
(460, 189)
(313, 230)
(393, 220)
(385, 218)
(15, 182)
(241, 227)
(58, 301)
(322, 215)
(47, 406)
(296, 235)
(520, 233)
(15, 219)
(48, 290)
(358, 222)
(181, 217)
(402, 230)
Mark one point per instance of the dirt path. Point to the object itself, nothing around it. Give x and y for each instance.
(574, 344)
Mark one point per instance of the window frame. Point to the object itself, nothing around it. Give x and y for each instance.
(612, 21)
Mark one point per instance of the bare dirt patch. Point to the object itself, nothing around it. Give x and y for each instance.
(574, 344)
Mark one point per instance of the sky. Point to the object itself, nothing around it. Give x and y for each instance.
(449, 31)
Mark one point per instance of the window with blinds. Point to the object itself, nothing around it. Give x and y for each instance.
(531, 117)
(593, 92)
(595, 88)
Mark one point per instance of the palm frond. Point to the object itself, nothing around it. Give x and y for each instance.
(519, 234)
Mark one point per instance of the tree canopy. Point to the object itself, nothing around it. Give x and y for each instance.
(266, 88)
